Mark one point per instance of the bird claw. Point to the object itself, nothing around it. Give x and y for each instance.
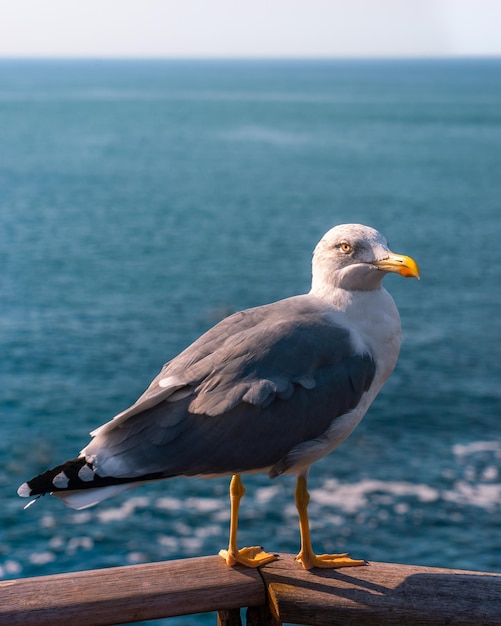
(254, 556)
(331, 561)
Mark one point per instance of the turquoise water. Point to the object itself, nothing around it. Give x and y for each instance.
(140, 202)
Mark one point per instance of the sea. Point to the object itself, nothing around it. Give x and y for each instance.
(141, 201)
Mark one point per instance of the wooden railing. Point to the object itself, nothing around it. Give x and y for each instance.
(381, 594)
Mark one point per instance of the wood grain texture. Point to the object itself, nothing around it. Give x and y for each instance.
(382, 594)
(129, 594)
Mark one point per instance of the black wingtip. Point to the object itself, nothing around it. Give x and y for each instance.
(56, 479)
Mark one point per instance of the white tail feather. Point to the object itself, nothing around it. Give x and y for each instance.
(84, 498)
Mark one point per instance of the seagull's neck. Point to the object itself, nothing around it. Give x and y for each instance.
(343, 299)
(339, 298)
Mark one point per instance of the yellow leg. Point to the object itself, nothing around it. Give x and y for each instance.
(251, 557)
(306, 555)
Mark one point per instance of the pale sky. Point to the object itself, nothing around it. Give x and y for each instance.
(249, 28)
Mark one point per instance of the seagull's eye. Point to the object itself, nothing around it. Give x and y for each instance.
(345, 247)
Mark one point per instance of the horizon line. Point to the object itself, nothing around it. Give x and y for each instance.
(309, 57)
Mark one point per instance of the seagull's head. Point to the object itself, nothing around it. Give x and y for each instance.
(356, 258)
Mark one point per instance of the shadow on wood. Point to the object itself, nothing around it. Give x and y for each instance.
(382, 594)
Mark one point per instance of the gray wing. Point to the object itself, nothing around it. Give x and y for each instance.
(240, 398)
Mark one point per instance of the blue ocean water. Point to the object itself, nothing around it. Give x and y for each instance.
(142, 201)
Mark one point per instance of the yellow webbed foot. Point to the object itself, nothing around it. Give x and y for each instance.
(250, 557)
(306, 556)
(331, 561)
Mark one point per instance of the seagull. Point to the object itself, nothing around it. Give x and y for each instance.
(269, 389)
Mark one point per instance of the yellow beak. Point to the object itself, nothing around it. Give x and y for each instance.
(400, 264)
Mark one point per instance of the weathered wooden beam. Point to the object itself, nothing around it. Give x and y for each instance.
(129, 594)
(382, 594)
